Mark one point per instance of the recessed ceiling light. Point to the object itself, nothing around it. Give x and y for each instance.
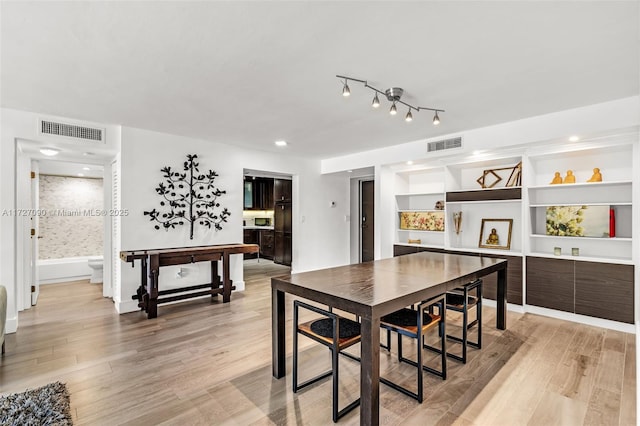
(349, 171)
(477, 152)
(49, 152)
(81, 174)
(86, 168)
(88, 154)
(574, 138)
(409, 162)
(281, 143)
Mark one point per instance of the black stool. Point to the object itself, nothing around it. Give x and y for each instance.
(460, 300)
(414, 323)
(333, 331)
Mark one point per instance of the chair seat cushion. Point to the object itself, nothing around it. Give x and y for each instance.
(458, 299)
(324, 327)
(405, 317)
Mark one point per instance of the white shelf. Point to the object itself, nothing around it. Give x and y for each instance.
(617, 260)
(580, 204)
(581, 184)
(619, 239)
(486, 251)
(419, 210)
(420, 230)
(414, 194)
(438, 246)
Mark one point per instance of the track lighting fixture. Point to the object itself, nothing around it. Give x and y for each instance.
(409, 116)
(393, 95)
(376, 101)
(345, 90)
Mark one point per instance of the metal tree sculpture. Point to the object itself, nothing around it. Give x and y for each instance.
(191, 198)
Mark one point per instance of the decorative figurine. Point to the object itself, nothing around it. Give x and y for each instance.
(457, 221)
(597, 176)
(493, 237)
(439, 205)
(556, 179)
(569, 178)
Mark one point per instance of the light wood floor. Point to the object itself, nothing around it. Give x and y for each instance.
(210, 363)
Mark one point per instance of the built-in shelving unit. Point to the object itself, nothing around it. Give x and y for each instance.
(526, 203)
(614, 193)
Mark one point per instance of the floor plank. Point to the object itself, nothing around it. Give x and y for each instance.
(203, 362)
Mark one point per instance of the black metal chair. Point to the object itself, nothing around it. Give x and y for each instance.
(462, 300)
(414, 323)
(333, 331)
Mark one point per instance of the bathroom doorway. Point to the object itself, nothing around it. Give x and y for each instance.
(59, 240)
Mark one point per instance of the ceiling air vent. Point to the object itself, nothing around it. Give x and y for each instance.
(71, 131)
(444, 144)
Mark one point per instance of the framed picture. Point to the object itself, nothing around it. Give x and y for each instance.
(495, 234)
(578, 221)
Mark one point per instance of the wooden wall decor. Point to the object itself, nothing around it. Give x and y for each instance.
(514, 178)
(190, 197)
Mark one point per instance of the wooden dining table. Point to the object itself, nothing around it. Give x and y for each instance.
(373, 289)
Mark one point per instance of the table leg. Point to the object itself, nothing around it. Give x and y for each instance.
(152, 288)
(226, 279)
(215, 278)
(370, 372)
(278, 352)
(501, 300)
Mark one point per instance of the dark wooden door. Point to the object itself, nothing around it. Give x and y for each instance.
(366, 220)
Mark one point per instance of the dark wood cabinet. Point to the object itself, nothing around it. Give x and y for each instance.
(267, 248)
(282, 190)
(258, 193)
(282, 248)
(604, 290)
(282, 217)
(250, 236)
(601, 290)
(550, 283)
(490, 282)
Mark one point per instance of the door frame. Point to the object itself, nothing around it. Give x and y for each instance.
(25, 266)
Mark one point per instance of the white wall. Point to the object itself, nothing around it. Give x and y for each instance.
(18, 125)
(320, 232)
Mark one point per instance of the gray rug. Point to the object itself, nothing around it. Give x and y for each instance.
(48, 405)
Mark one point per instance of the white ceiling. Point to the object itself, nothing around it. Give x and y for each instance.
(250, 73)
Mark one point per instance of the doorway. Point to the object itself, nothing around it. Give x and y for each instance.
(367, 220)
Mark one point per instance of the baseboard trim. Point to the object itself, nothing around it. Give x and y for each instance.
(11, 326)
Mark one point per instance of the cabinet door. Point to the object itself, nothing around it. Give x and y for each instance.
(278, 247)
(248, 194)
(250, 236)
(550, 283)
(402, 250)
(266, 244)
(605, 290)
(514, 281)
(282, 190)
(287, 249)
(282, 217)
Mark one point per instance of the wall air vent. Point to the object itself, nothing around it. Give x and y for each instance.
(90, 134)
(444, 144)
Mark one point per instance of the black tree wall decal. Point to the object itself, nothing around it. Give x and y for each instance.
(190, 197)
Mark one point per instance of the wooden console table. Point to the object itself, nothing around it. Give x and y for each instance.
(151, 261)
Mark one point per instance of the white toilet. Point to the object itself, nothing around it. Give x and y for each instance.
(95, 263)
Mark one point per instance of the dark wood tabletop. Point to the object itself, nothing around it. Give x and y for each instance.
(373, 289)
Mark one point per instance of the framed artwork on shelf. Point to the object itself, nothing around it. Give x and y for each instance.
(495, 234)
(422, 221)
(578, 221)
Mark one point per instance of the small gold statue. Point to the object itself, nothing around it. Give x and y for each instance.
(569, 178)
(597, 176)
(556, 178)
(493, 237)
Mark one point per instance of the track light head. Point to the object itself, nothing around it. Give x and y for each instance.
(436, 119)
(345, 90)
(393, 110)
(409, 116)
(376, 101)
